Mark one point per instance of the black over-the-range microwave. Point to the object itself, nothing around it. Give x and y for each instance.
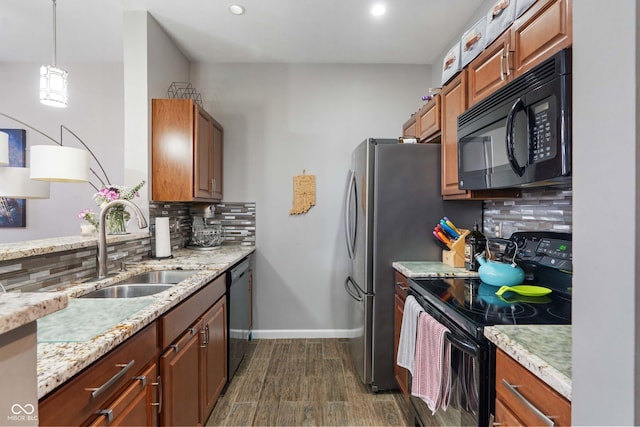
(520, 136)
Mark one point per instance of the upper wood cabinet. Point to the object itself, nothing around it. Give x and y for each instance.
(453, 98)
(544, 29)
(541, 31)
(425, 123)
(186, 152)
(429, 119)
(410, 127)
(488, 73)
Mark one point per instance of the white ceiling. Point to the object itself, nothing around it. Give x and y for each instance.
(302, 31)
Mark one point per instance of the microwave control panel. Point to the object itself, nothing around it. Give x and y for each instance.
(542, 132)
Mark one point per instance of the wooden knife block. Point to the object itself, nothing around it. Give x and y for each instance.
(454, 257)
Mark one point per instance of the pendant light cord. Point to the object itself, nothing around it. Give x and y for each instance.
(54, 33)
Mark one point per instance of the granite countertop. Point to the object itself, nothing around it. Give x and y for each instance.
(18, 309)
(417, 269)
(545, 350)
(62, 353)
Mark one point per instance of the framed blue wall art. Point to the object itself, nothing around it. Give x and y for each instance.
(13, 212)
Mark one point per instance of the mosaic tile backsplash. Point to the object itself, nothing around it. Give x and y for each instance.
(50, 271)
(539, 209)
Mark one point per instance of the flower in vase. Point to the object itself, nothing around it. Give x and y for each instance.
(117, 217)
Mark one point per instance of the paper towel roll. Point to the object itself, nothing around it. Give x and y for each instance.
(163, 239)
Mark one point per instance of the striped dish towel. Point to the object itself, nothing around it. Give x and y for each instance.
(432, 379)
(407, 342)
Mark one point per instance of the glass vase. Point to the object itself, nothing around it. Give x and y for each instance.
(117, 220)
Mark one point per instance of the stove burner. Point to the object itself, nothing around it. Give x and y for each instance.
(558, 314)
(478, 302)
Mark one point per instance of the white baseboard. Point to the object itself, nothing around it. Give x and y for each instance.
(302, 333)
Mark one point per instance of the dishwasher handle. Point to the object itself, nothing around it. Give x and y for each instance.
(239, 270)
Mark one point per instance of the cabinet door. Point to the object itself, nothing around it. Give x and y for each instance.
(214, 356)
(541, 31)
(135, 406)
(490, 70)
(216, 173)
(410, 128)
(401, 374)
(180, 386)
(172, 136)
(429, 118)
(204, 154)
(454, 102)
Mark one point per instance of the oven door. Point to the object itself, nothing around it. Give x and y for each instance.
(472, 381)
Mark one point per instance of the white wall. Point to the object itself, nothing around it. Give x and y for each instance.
(152, 61)
(94, 114)
(605, 158)
(281, 120)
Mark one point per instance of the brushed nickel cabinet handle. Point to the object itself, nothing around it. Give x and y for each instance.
(141, 378)
(159, 385)
(107, 413)
(203, 341)
(502, 67)
(506, 60)
(512, 388)
(95, 392)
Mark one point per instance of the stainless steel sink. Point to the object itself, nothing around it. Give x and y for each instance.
(160, 277)
(127, 291)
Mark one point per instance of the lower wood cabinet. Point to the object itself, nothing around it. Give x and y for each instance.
(137, 405)
(401, 374)
(524, 399)
(117, 389)
(213, 356)
(193, 368)
(180, 386)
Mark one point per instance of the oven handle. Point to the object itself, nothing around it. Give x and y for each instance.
(517, 106)
(461, 345)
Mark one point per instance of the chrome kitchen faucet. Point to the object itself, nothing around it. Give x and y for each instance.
(102, 235)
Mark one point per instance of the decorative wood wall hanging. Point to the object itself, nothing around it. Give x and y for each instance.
(304, 193)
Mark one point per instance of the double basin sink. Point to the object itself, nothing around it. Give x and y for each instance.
(143, 284)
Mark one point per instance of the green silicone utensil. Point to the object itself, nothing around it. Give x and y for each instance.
(526, 290)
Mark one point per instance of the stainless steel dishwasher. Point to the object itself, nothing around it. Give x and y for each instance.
(239, 315)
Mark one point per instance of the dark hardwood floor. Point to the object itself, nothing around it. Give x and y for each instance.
(303, 382)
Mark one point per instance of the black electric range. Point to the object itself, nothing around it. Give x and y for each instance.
(465, 305)
(473, 304)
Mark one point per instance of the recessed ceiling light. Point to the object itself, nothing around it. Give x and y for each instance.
(236, 9)
(378, 10)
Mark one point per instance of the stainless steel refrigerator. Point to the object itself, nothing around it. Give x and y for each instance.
(392, 203)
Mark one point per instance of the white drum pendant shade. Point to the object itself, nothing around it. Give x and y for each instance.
(59, 163)
(4, 148)
(16, 184)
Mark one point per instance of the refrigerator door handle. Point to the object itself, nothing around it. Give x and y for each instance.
(353, 290)
(349, 231)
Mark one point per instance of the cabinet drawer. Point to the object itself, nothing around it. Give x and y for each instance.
(176, 321)
(136, 405)
(530, 388)
(88, 392)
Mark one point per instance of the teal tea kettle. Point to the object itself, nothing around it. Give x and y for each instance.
(499, 273)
